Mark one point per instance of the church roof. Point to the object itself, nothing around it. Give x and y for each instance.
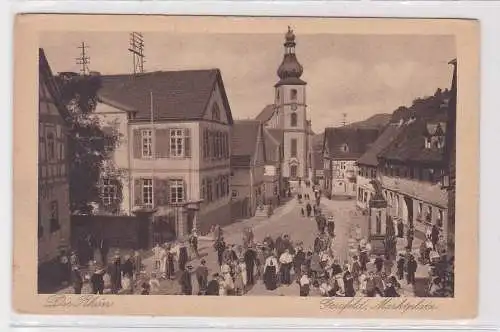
(177, 95)
(290, 70)
(266, 114)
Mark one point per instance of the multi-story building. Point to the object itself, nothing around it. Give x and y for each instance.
(342, 147)
(318, 168)
(174, 151)
(248, 161)
(368, 163)
(289, 113)
(274, 186)
(53, 164)
(411, 169)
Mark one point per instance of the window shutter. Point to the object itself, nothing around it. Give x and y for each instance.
(138, 192)
(137, 144)
(162, 143)
(187, 142)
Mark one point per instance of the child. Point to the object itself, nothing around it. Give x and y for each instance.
(154, 284)
(145, 288)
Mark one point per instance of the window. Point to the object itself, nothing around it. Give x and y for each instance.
(293, 148)
(108, 192)
(345, 148)
(54, 217)
(51, 146)
(206, 144)
(147, 143)
(293, 120)
(177, 142)
(439, 221)
(293, 94)
(217, 188)
(215, 112)
(209, 190)
(203, 191)
(365, 197)
(176, 191)
(293, 171)
(147, 192)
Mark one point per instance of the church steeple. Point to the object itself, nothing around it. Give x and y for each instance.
(290, 69)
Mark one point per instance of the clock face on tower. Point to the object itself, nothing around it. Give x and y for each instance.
(294, 107)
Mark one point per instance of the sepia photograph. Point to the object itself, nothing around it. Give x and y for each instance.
(239, 164)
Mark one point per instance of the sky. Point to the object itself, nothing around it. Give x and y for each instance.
(360, 75)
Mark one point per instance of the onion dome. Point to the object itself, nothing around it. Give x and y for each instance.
(290, 68)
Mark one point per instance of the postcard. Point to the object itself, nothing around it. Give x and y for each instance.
(246, 166)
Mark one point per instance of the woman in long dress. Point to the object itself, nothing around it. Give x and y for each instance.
(228, 279)
(270, 273)
(238, 280)
(243, 269)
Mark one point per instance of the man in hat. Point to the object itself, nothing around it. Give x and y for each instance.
(202, 277)
(250, 258)
(411, 269)
(97, 280)
(185, 281)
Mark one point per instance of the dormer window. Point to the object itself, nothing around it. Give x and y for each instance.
(215, 112)
(344, 148)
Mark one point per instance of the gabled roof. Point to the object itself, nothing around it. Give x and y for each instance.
(46, 80)
(177, 95)
(370, 157)
(409, 145)
(266, 114)
(272, 143)
(349, 143)
(244, 137)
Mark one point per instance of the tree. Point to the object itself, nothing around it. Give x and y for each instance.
(88, 145)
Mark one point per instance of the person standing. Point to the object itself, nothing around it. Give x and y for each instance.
(220, 247)
(331, 227)
(400, 228)
(128, 267)
(249, 258)
(185, 281)
(411, 269)
(401, 266)
(308, 209)
(349, 284)
(298, 261)
(137, 264)
(97, 281)
(388, 264)
(356, 270)
(304, 284)
(202, 277)
(270, 273)
(169, 263)
(183, 257)
(434, 236)
(286, 264)
(154, 284)
(409, 237)
(193, 242)
(77, 280)
(115, 273)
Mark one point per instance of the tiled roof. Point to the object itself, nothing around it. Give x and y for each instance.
(272, 144)
(277, 134)
(409, 145)
(244, 137)
(177, 95)
(47, 80)
(240, 161)
(266, 114)
(370, 157)
(349, 143)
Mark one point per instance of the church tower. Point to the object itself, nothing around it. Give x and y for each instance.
(291, 112)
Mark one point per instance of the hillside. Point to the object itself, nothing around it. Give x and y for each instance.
(376, 121)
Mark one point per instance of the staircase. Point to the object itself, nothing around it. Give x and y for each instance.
(261, 211)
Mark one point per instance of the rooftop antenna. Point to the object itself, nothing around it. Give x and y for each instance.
(344, 119)
(83, 60)
(137, 50)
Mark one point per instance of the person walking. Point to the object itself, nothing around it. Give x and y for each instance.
(308, 209)
(401, 266)
(250, 259)
(115, 273)
(409, 237)
(220, 247)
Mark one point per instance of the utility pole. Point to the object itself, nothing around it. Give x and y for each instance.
(344, 119)
(83, 60)
(137, 50)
